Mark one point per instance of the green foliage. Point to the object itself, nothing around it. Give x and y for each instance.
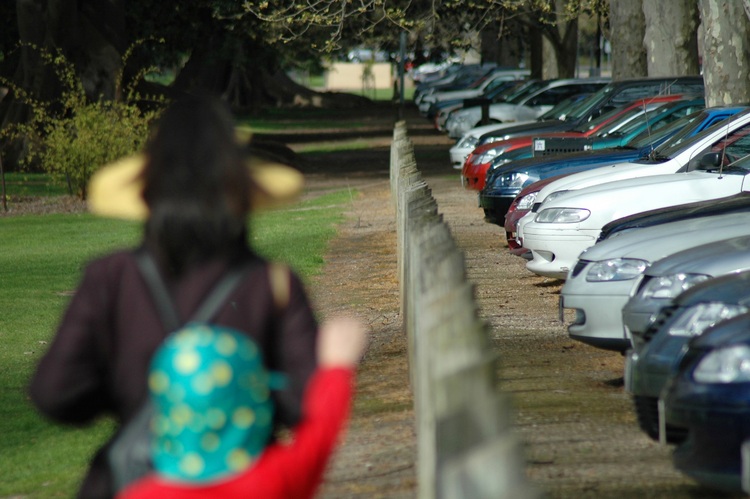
(96, 133)
(72, 136)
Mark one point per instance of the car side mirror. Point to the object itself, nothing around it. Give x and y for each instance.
(710, 161)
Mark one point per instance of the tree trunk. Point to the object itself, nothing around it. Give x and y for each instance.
(549, 60)
(562, 36)
(726, 52)
(536, 53)
(671, 37)
(627, 29)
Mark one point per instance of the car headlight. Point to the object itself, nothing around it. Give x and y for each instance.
(562, 215)
(698, 318)
(724, 365)
(617, 269)
(669, 286)
(488, 155)
(513, 180)
(469, 141)
(526, 202)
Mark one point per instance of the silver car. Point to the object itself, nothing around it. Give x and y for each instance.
(608, 273)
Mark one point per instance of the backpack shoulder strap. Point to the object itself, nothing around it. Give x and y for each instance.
(169, 317)
(210, 305)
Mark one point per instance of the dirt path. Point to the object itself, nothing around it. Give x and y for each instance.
(580, 434)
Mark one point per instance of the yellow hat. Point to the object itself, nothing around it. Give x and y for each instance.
(115, 189)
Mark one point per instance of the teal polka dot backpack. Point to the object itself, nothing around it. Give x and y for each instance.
(210, 413)
(212, 407)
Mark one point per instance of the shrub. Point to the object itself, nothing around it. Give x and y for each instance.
(73, 136)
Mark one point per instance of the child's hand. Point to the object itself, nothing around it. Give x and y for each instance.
(341, 342)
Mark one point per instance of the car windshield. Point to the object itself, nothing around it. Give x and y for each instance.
(585, 107)
(608, 117)
(526, 90)
(560, 111)
(503, 92)
(649, 136)
(629, 119)
(684, 138)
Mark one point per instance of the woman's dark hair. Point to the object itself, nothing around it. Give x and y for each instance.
(196, 185)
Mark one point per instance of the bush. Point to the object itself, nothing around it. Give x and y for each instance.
(73, 136)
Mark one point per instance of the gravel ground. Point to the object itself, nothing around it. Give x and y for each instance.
(580, 435)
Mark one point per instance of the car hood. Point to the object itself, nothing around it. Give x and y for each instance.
(518, 129)
(654, 243)
(611, 200)
(611, 173)
(589, 159)
(714, 258)
(729, 204)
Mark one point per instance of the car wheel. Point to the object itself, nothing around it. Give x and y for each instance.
(646, 408)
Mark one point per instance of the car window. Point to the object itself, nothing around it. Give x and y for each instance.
(614, 96)
(551, 96)
(682, 139)
(648, 137)
(656, 118)
(522, 94)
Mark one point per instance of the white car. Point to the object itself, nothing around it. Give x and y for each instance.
(609, 273)
(489, 82)
(569, 221)
(525, 108)
(461, 150)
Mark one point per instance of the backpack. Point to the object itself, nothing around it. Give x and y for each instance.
(129, 453)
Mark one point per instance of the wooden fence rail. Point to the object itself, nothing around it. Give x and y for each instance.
(466, 447)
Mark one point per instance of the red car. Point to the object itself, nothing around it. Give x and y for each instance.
(474, 171)
(520, 207)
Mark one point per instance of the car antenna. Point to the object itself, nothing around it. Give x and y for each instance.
(724, 150)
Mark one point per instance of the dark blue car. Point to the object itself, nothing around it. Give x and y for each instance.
(658, 349)
(709, 397)
(506, 182)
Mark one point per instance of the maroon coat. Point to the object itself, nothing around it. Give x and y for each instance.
(98, 361)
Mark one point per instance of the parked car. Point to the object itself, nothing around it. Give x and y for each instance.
(569, 222)
(478, 162)
(615, 94)
(464, 76)
(530, 198)
(709, 396)
(487, 83)
(641, 120)
(469, 141)
(659, 348)
(491, 199)
(524, 109)
(504, 183)
(673, 214)
(609, 273)
(439, 111)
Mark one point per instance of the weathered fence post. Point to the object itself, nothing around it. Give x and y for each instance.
(465, 444)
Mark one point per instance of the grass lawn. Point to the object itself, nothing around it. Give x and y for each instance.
(41, 262)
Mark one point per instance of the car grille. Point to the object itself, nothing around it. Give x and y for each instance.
(662, 317)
